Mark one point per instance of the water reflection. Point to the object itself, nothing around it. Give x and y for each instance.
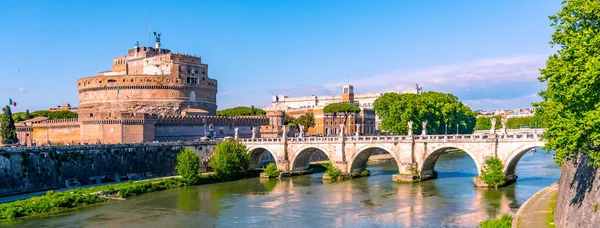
(305, 201)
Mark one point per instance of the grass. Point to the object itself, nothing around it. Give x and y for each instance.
(58, 201)
(504, 222)
(550, 215)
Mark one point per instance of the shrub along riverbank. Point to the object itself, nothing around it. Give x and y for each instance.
(59, 201)
(230, 162)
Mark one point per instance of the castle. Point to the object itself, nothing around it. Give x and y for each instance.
(150, 94)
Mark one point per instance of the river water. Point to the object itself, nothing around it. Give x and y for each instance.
(305, 201)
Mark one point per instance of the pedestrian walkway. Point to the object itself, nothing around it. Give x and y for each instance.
(535, 210)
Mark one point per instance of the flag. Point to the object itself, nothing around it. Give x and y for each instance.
(11, 102)
(276, 98)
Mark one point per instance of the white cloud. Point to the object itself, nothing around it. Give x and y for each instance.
(509, 80)
(491, 104)
(482, 84)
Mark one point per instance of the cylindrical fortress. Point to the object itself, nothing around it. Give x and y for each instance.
(144, 94)
(152, 81)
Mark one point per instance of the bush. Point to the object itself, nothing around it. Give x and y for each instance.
(504, 222)
(333, 172)
(364, 173)
(491, 174)
(271, 170)
(230, 160)
(188, 166)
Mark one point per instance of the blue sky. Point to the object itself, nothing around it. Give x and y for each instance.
(486, 52)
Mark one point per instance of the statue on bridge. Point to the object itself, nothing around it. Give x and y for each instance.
(301, 127)
(504, 131)
(236, 136)
(493, 129)
(410, 128)
(205, 128)
(424, 132)
(342, 128)
(284, 133)
(357, 130)
(253, 132)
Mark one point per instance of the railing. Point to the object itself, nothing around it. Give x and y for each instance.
(511, 136)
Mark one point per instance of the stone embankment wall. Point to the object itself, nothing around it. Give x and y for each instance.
(577, 203)
(34, 169)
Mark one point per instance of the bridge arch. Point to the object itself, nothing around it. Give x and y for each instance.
(301, 159)
(428, 164)
(358, 162)
(510, 164)
(257, 154)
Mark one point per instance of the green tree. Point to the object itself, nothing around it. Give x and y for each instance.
(271, 170)
(188, 166)
(443, 113)
(230, 160)
(63, 114)
(344, 109)
(485, 122)
(573, 87)
(307, 120)
(491, 173)
(8, 130)
(40, 113)
(289, 120)
(241, 111)
(18, 116)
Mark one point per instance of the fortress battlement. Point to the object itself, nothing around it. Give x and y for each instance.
(215, 120)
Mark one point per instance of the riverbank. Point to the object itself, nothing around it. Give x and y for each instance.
(535, 211)
(67, 199)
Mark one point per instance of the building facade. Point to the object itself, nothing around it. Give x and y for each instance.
(366, 121)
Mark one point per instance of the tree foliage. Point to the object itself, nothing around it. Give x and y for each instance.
(230, 160)
(491, 173)
(440, 110)
(188, 166)
(341, 109)
(241, 111)
(8, 131)
(40, 113)
(573, 78)
(63, 114)
(485, 122)
(289, 120)
(307, 121)
(271, 170)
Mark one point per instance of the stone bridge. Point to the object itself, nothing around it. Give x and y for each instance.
(415, 155)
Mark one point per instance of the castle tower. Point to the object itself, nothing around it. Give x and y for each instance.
(348, 94)
(276, 117)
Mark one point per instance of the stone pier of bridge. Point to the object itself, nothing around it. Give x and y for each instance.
(415, 155)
